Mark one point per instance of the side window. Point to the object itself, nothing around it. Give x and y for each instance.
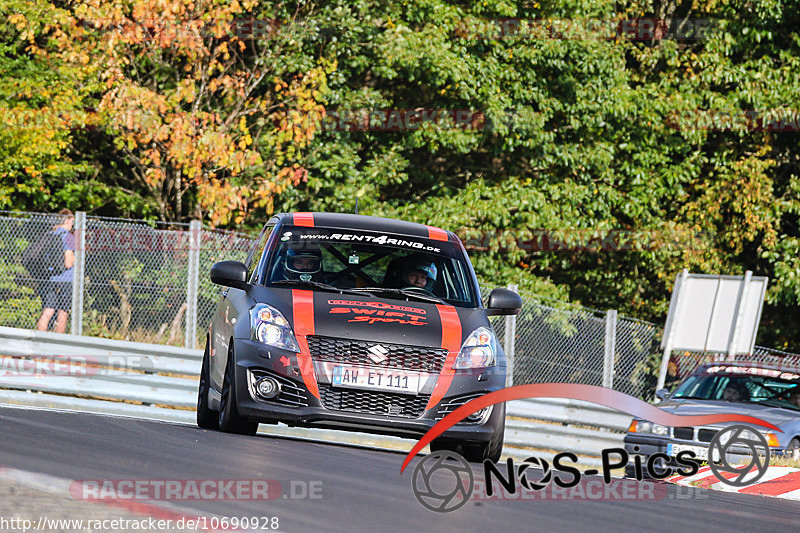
(254, 257)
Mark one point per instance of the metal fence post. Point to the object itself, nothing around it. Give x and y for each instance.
(78, 277)
(509, 338)
(669, 328)
(610, 349)
(192, 283)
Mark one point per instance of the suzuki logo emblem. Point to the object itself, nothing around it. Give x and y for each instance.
(377, 353)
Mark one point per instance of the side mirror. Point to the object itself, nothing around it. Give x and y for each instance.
(230, 274)
(503, 302)
(662, 394)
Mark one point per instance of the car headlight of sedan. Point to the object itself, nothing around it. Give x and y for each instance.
(643, 426)
(270, 327)
(478, 351)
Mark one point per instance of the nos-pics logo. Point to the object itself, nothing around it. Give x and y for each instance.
(444, 481)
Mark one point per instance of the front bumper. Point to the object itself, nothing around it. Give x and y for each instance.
(646, 445)
(357, 409)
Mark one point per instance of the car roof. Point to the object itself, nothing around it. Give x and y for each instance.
(750, 364)
(365, 222)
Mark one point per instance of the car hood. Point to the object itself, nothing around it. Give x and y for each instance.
(773, 415)
(369, 318)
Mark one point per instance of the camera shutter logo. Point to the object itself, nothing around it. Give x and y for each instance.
(442, 481)
(742, 441)
(535, 462)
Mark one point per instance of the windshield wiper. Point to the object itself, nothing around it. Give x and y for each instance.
(315, 284)
(688, 398)
(408, 293)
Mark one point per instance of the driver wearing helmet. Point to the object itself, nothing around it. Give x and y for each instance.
(420, 273)
(303, 265)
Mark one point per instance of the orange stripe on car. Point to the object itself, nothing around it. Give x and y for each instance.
(303, 219)
(451, 341)
(303, 318)
(436, 234)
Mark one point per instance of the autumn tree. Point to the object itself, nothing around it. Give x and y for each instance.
(203, 100)
(44, 83)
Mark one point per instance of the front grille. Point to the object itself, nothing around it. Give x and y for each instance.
(683, 433)
(400, 356)
(291, 393)
(373, 402)
(706, 435)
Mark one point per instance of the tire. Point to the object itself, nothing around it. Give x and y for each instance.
(491, 450)
(230, 421)
(793, 450)
(476, 452)
(446, 445)
(207, 418)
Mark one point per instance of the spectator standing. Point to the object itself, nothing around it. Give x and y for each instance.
(56, 291)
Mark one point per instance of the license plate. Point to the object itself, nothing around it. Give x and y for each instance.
(700, 452)
(359, 377)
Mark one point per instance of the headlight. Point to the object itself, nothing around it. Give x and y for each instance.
(478, 351)
(269, 326)
(642, 426)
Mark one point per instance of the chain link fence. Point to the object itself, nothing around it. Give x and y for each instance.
(148, 282)
(20, 305)
(138, 281)
(558, 342)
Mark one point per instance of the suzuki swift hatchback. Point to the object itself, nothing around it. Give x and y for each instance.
(359, 323)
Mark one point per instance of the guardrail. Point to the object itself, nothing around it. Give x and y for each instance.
(562, 425)
(56, 370)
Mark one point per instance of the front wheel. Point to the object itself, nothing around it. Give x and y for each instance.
(491, 450)
(206, 417)
(476, 452)
(230, 421)
(793, 450)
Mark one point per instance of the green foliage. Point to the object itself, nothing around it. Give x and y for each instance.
(581, 132)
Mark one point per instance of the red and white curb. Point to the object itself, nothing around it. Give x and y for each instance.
(778, 482)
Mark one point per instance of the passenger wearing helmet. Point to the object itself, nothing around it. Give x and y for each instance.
(304, 265)
(419, 272)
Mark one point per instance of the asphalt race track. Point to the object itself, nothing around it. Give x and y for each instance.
(362, 490)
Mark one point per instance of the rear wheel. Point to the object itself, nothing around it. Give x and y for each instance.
(230, 421)
(206, 417)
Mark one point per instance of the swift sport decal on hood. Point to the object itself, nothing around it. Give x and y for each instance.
(368, 318)
(372, 312)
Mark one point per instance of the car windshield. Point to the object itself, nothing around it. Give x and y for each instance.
(749, 384)
(379, 264)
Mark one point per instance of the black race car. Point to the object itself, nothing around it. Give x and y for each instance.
(354, 322)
